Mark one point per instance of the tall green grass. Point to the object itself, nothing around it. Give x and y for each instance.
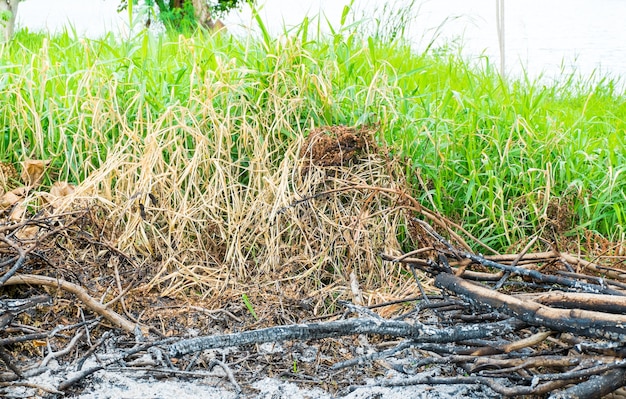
(500, 154)
(495, 155)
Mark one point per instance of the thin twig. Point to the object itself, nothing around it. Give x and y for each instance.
(228, 371)
(139, 348)
(62, 352)
(18, 263)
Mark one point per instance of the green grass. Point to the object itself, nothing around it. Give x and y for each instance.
(494, 154)
(497, 152)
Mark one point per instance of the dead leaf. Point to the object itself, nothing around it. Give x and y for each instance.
(32, 171)
(58, 193)
(18, 213)
(27, 233)
(13, 197)
(61, 189)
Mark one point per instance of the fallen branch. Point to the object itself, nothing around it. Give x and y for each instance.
(53, 355)
(597, 302)
(582, 322)
(515, 346)
(417, 332)
(510, 365)
(535, 275)
(112, 316)
(18, 263)
(540, 277)
(595, 387)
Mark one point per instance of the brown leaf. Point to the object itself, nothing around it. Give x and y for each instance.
(58, 193)
(13, 197)
(61, 189)
(28, 233)
(18, 213)
(32, 171)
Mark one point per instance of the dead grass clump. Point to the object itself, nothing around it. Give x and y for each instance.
(336, 146)
(560, 214)
(343, 217)
(207, 206)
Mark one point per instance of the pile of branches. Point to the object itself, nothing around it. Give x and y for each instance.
(568, 316)
(531, 323)
(51, 266)
(523, 324)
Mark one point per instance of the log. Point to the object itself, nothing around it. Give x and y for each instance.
(582, 322)
(417, 332)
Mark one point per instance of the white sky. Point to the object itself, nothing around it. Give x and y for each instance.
(540, 35)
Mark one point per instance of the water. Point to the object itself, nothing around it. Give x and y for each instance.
(547, 38)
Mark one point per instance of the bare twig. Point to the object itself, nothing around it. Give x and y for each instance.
(227, 370)
(27, 384)
(18, 263)
(519, 257)
(6, 359)
(64, 351)
(357, 361)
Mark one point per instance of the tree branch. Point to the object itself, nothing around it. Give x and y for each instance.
(582, 322)
(416, 332)
(114, 317)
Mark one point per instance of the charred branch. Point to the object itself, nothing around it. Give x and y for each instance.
(416, 332)
(582, 322)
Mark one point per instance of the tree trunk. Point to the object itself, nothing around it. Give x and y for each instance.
(8, 12)
(202, 13)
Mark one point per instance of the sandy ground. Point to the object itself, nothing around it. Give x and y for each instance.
(125, 385)
(134, 383)
(121, 386)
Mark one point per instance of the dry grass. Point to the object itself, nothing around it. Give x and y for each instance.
(212, 227)
(196, 179)
(193, 151)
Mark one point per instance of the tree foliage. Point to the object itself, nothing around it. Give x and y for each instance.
(187, 14)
